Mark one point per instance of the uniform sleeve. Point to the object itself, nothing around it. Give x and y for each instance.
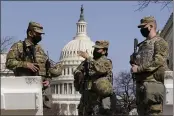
(53, 70)
(160, 57)
(56, 70)
(80, 68)
(99, 67)
(12, 59)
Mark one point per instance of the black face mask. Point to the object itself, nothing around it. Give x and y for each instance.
(36, 39)
(96, 54)
(145, 32)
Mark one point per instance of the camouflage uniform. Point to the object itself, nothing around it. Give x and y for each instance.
(17, 61)
(151, 61)
(99, 71)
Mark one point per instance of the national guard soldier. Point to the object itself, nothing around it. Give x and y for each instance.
(149, 67)
(93, 79)
(27, 58)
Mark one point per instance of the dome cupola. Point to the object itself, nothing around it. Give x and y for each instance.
(81, 42)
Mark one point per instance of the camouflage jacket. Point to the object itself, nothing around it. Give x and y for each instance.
(101, 67)
(152, 58)
(16, 59)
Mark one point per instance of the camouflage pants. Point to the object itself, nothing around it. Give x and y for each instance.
(149, 96)
(47, 97)
(94, 105)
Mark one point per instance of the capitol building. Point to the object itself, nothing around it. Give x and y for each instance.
(64, 93)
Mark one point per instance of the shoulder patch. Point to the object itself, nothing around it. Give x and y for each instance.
(161, 45)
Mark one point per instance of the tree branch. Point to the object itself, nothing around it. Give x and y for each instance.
(124, 92)
(5, 42)
(145, 3)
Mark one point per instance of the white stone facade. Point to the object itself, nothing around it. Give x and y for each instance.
(3, 70)
(167, 34)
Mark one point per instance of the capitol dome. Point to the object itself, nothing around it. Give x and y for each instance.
(79, 43)
(63, 91)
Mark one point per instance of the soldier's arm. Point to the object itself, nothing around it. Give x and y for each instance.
(12, 59)
(99, 67)
(80, 68)
(56, 70)
(53, 71)
(160, 57)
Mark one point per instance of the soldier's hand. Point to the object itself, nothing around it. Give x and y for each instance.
(83, 54)
(46, 83)
(32, 66)
(134, 68)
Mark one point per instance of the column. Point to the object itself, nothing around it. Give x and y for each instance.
(72, 88)
(65, 71)
(68, 109)
(67, 88)
(70, 71)
(76, 112)
(85, 29)
(60, 109)
(81, 28)
(63, 88)
(58, 88)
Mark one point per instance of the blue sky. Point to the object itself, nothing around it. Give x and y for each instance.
(115, 21)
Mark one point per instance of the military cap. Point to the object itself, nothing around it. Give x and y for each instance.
(35, 27)
(146, 20)
(101, 44)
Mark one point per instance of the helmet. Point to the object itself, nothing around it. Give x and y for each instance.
(103, 87)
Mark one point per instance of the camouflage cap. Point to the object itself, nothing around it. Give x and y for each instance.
(35, 27)
(101, 44)
(146, 20)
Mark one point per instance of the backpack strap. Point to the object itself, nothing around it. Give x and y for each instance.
(24, 50)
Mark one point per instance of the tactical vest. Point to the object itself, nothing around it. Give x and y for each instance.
(144, 56)
(31, 54)
(146, 51)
